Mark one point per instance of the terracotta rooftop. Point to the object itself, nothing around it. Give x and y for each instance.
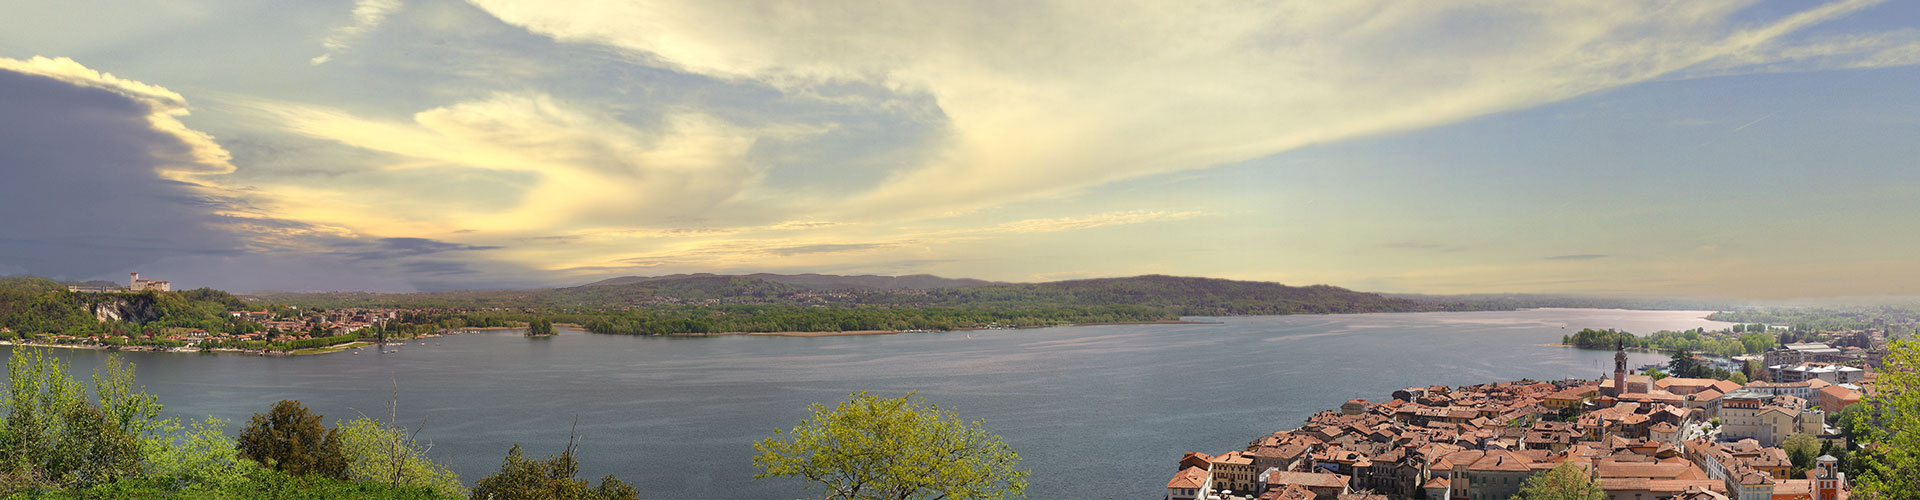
(1309, 479)
(1191, 477)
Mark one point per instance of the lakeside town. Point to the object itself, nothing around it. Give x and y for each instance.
(1636, 435)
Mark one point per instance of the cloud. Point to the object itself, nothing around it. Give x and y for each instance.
(438, 267)
(367, 15)
(99, 178)
(1045, 97)
(1583, 256)
(184, 156)
(826, 248)
(1092, 221)
(93, 167)
(392, 248)
(589, 168)
(1427, 246)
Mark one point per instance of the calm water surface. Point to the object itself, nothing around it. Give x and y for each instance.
(1096, 412)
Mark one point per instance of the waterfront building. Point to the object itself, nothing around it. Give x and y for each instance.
(1190, 484)
(1233, 470)
(1323, 486)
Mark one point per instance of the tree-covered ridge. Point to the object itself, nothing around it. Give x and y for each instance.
(1725, 343)
(1178, 295)
(37, 306)
(1894, 319)
(721, 304)
(786, 318)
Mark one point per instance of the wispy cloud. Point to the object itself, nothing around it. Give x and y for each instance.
(1092, 221)
(1425, 246)
(1582, 256)
(1064, 99)
(367, 15)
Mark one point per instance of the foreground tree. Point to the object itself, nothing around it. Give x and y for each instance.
(1567, 481)
(381, 452)
(549, 478)
(877, 448)
(291, 439)
(55, 436)
(1891, 461)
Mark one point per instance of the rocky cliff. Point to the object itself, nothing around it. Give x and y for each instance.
(136, 308)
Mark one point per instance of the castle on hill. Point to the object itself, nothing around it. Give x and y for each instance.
(134, 284)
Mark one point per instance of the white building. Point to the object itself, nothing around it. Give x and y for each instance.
(1832, 373)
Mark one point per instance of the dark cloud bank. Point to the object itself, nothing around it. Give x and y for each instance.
(80, 198)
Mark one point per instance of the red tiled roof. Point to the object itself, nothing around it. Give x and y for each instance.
(1191, 477)
(1309, 479)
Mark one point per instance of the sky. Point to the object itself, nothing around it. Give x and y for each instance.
(1764, 150)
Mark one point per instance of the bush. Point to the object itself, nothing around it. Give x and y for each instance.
(550, 478)
(290, 438)
(382, 453)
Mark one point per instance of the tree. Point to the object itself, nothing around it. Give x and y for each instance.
(1801, 450)
(1891, 466)
(291, 439)
(550, 478)
(1738, 378)
(55, 436)
(539, 327)
(1567, 481)
(899, 448)
(380, 452)
(1683, 364)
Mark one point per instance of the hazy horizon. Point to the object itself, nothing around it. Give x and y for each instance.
(1760, 151)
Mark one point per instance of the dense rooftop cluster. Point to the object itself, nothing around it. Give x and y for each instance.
(1638, 438)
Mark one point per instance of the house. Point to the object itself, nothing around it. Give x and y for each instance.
(1324, 486)
(1492, 475)
(1233, 470)
(1189, 484)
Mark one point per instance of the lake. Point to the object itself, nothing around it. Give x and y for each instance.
(1094, 411)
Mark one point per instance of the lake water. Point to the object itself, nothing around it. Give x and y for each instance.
(1095, 412)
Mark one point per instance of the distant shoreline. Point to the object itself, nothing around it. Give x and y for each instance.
(856, 333)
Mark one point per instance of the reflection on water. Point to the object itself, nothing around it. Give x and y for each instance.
(1096, 412)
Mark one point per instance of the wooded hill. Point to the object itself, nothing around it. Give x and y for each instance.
(1175, 295)
(30, 305)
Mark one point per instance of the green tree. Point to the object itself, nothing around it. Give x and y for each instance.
(290, 438)
(550, 478)
(899, 448)
(1801, 450)
(1738, 378)
(1855, 422)
(1891, 466)
(380, 452)
(1567, 481)
(55, 436)
(1683, 364)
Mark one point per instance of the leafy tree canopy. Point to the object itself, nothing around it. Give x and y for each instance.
(893, 448)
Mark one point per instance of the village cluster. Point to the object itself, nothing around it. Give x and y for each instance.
(1638, 438)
